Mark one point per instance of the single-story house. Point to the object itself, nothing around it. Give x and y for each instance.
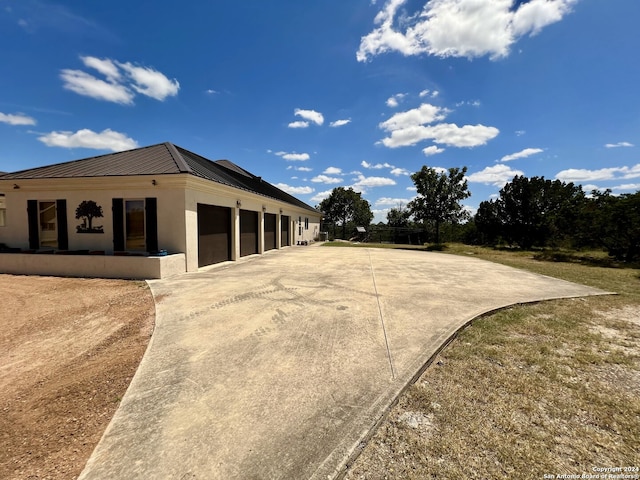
(150, 212)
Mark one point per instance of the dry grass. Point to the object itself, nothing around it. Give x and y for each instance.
(550, 388)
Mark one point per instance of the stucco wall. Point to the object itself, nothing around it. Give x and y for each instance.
(100, 266)
(177, 200)
(170, 197)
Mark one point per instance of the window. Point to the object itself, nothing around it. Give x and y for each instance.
(3, 211)
(48, 224)
(306, 223)
(134, 225)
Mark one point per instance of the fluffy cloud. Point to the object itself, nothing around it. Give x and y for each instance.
(122, 81)
(333, 171)
(16, 119)
(85, 138)
(432, 150)
(377, 166)
(619, 144)
(150, 82)
(310, 115)
(584, 175)
(340, 123)
(393, 202)
(425, 113)
(318, 197)
(399, 171)
(298, 124)
(395, 100)
(497, 175)
(294, 190)
(294, 157)
(299, 169)
(445, 133)
(527, 152)
(363, 182)
(325, 179)
(411, 127)
(86, 84)
(459, 28)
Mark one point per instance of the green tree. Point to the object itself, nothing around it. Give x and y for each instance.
(90, 210)
(398, 223)
(439, 197)
(535, 211)
(346, 207)
(616, 221)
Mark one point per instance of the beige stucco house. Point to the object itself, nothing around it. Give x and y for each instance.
(145, 213)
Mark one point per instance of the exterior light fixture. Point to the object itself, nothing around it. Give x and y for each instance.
(264, 208)
(153, 182)
(238, 203)
(16, 186)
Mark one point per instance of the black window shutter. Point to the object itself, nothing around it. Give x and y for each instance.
(34, 224)
(63, 234)
(117, 207)
(151, 219)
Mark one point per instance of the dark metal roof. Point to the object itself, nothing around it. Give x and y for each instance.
(162, 159)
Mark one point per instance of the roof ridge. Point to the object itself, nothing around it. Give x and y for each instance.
(181, 163)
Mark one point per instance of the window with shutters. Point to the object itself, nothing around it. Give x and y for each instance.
(134, 225)
(48, 224)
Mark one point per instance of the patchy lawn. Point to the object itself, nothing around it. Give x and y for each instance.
(550, 388)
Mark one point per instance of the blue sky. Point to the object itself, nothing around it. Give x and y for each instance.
(324, 93)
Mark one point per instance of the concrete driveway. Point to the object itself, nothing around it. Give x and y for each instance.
(276, 367)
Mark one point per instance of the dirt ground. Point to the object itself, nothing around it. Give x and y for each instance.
(68, 350)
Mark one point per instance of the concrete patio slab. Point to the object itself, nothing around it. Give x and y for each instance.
(276, 367)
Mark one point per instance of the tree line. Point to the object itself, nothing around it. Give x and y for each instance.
(528, 212)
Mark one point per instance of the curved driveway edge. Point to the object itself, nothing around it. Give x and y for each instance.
(278, 366)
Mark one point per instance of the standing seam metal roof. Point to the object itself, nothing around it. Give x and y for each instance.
(161, 159)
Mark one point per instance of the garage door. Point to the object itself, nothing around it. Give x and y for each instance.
(269, 231)
(248, 232)
(284, 231)
(214, 234)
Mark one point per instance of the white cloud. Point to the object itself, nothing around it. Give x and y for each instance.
(377, 166)
(497, 175)
(432, 150)
(318, 197)
(86, 84)
(299, 169)
(619, 144)
(397, 171)
(325, 179)
(612, 173)
(445, 133)
(105, 66)
(340, 123)
(408, 128)
(85, 138)
(294, 190)
(298, 124)
(527, 152)
(627, 187)
(333, 171)
(294, 157)
(310, 115)
(362, 182)
(519, 133)
(16, 119)
(150, 82)
(395, 100)
(459, 28)
(122, 80)
(426, 113)
(394, 202)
